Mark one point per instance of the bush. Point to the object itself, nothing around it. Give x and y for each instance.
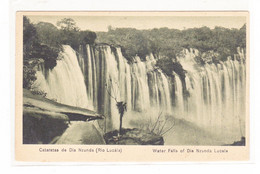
(39, 92)
(168, 67)
(160, 126)
(87, 37)
(28, 75)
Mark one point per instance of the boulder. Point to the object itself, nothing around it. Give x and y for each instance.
(242, 142)
(133, 137)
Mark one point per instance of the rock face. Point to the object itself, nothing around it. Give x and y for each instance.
(42, 128)
(44, 121)
(133, 137)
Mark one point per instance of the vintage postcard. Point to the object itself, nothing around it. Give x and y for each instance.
(132, 86)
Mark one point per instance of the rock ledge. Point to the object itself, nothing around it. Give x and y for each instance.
(133, 137)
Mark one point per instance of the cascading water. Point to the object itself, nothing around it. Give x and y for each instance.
(65, 82)
(117, 80)
(217, 96)
(213, 98)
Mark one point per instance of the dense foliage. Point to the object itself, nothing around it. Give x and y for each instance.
(39, 42)
(165, 42)
(132, 41)
(44, 41)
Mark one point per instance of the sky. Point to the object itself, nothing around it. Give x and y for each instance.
(101, 23)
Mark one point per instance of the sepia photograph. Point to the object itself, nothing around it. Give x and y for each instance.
(138, 79)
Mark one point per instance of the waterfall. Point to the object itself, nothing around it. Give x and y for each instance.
(141, 98)
(216, 99)
(213, 97)
(179, 101)
(65, 82)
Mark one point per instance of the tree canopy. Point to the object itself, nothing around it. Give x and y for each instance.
(165, 42)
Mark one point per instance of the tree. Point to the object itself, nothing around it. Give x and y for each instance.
(67, 24)
(87, 37)
(241, 38)
(71, 35)
(109, 28)
(121, 105)
(29, 38)
(69, 32)
(48, 34)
